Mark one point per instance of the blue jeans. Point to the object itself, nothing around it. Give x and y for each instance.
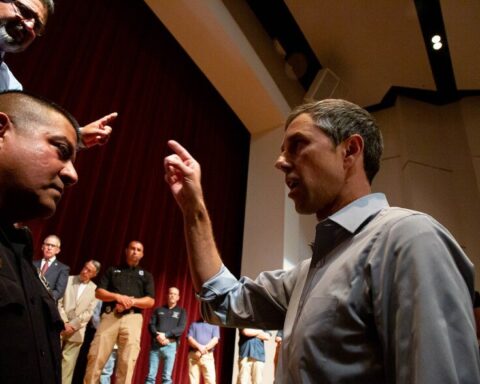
(108, 368)
(167, 354)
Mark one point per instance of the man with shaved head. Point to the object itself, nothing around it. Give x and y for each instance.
(38, 142)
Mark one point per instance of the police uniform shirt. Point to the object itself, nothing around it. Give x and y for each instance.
(29, 321)
(172, 321)
(129, 281)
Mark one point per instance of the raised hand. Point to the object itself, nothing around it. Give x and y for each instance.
(183, 174)
(97, 132)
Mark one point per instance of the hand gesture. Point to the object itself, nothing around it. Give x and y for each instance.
(97, 132)
(182, 174)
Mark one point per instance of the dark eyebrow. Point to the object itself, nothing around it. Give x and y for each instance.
(63, 139)
(294, 136)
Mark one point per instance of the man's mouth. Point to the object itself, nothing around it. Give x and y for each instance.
(16, 31)
(292, 183)
(57, 188)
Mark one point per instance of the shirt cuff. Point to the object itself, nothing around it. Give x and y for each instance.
(217, 285)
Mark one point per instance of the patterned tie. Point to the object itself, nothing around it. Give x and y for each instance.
(44, 268)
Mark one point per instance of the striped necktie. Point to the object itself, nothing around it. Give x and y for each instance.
(44, 268)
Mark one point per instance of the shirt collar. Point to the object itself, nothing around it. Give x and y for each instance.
(128, 267)
(51, 260)
(352, 216)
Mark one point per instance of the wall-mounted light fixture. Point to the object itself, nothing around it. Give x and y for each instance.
(437, 42)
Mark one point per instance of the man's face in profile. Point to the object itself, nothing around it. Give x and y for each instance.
(21, 21)
(37, 164)
(313, 167)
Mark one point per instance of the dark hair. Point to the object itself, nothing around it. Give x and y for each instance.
(339, 119)
(23, 106)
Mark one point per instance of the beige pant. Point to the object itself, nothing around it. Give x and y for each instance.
(70, 351)
(250, 371)
(204, 366)
(126, 332)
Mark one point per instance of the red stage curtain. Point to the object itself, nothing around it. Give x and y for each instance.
(100, 56)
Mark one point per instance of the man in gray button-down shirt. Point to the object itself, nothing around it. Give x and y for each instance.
(387, 294)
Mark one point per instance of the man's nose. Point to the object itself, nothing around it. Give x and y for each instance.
(29, 26)
(69, 174)
(282, 164)
(29, 23)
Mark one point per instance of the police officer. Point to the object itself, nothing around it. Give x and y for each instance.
(125, 291)
(166, 326)
(38, 141)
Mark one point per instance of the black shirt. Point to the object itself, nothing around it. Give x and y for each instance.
(29, 320)
(169, 321)
(129, 281)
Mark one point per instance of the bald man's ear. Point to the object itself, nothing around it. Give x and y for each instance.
(5, 124)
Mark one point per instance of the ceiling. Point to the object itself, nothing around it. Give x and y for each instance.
(257, 53)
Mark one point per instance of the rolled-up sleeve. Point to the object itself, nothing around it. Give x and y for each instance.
(228, 301)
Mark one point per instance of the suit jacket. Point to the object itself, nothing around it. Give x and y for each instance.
(56, 276)
(75, 311)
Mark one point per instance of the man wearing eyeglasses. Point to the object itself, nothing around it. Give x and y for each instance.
(54, 272)
(21, 21)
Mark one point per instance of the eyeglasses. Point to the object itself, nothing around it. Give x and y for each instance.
(50, 245)
(26, 13)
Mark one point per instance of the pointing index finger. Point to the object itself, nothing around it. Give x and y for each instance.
(179, 150)
(108, 118)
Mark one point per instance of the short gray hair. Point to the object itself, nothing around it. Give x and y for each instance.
(56, 237)
(339, 119)
(96, 264)
(49, 6)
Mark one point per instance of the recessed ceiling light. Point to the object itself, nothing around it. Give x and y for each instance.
(437, 46)
(436, 39)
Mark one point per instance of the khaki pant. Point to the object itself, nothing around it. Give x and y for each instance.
(70, 351)
(126, 332)
(250, 371)
(204, 366)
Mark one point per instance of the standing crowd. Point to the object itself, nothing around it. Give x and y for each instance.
(117, 303)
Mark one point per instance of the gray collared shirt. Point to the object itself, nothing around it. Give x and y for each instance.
(387, 298)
